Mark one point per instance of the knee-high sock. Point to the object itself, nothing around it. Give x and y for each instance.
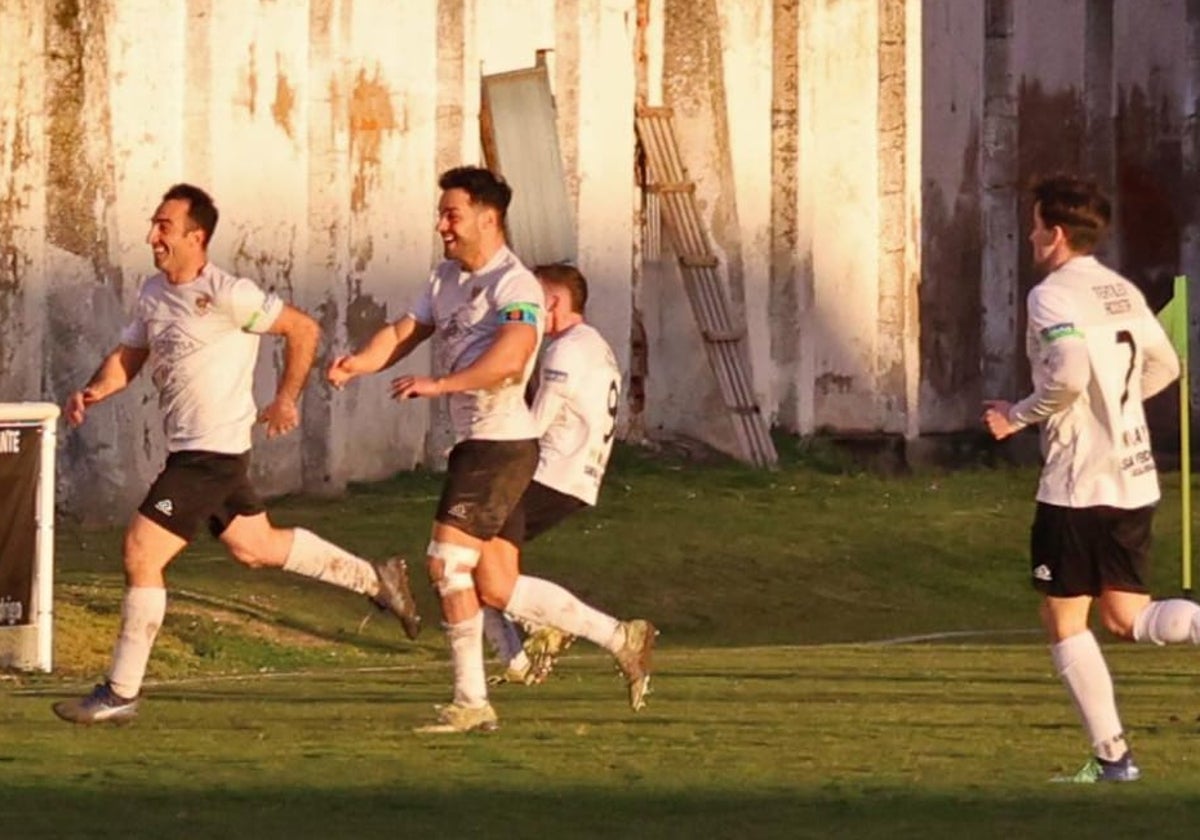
(1173, 621)
(501, 635)
(466, 654)
(316, 558)
(539, 601)
(1084, 672)
(142, 612)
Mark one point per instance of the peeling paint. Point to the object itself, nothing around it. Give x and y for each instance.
(285, 99)
(364, 317)
(249, 99)
(834, 383)
(371, 116)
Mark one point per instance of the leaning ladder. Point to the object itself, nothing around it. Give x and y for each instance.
(724, 338)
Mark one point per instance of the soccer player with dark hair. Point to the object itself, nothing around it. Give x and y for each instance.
(198, 328)
(1096, 352)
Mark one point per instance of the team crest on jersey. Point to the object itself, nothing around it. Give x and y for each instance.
(203, 302)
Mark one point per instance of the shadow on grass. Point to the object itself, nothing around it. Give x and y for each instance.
(28, 811)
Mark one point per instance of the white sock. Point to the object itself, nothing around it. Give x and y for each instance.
(1084, 672)
(539, 601)
(142, 613)
(502, 635)
(1173, 621)
(466, 653)
(313, 557)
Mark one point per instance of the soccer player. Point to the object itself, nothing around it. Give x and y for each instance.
(486, 307)
(575, 414)
(199, 327)
(1096, 352)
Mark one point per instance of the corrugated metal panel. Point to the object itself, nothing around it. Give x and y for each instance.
(520, 141)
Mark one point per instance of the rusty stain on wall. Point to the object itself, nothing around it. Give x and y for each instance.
(371, 115)
(285, 99)
(950, 304)
(1149, 191)
(250, 97)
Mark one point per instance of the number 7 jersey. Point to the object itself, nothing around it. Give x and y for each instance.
(1096, 351)
(575, 410)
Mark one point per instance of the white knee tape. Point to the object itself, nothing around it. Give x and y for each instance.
(458, 561)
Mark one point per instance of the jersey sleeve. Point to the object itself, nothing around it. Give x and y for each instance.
(519, 300)
(134, 334)
(252, 309)
(421, 309)
(1062, 360)
(1160, 363)
(554, 386)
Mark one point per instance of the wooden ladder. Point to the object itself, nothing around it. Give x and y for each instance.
(724, 338)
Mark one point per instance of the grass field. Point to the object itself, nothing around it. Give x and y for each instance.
(783, 705)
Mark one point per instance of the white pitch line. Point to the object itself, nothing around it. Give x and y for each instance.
(415, 667)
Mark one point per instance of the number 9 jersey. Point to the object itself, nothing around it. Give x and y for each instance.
(575, 411)
(1096, 351)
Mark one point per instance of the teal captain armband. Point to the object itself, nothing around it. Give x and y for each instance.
(518, 313)
(1057, 331)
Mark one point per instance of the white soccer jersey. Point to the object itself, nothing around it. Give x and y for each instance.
(1091, 333)
(579, 389)
(203, 342)
(467, 309)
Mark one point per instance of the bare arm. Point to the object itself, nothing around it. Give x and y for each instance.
(386, 347)
(301, 334)
(114, 374)
(504, 361)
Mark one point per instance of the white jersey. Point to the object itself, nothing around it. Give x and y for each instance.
(1091, 334)
(579, 389)
(467, 309)
(203, 342)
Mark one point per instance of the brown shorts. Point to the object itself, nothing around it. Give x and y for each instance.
(484, 483)
(540, 509)
(196, 487)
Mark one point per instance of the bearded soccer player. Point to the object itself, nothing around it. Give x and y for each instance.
(1096, 352)
(198, 327)
(487, 308)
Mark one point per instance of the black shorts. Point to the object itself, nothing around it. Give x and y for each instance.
(484, 483)
(1083, 551)
(195, 487)
(540, 509)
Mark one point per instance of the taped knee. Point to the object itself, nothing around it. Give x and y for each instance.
(457, 561)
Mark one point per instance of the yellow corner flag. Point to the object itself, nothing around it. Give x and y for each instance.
(1174, 318)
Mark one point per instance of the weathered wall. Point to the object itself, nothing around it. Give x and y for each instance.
(22, 208)
(859, 167)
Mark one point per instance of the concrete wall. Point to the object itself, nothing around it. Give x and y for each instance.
(859, 167)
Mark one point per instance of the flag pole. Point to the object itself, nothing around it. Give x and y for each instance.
(1185, 436)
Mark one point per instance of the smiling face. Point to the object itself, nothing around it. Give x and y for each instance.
(468, 229)
(176, 242)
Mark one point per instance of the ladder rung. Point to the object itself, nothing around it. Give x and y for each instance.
(653, 111)
(672, 187)
(719, 336)
(698, 261)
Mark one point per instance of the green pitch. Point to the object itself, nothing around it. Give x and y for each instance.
(274, 711)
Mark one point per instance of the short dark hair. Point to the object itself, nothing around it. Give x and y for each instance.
(201, 210)
(1077, 206)
(570, 278)
(482, 185)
